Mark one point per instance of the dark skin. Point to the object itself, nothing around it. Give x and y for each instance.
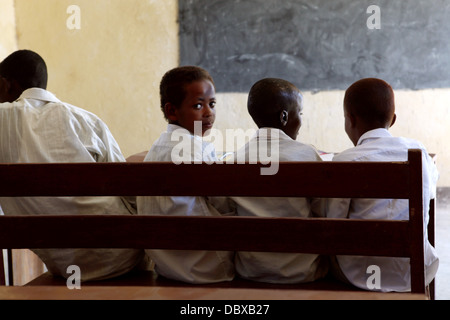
(10, 91)
(275, 103)
(356, 124)
(290, 118)
(198, 106)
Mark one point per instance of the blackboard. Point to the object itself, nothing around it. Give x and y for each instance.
(317, 44)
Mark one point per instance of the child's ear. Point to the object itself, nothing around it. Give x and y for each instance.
(394, 118)
(170, 110)
(5, 85)
(352, 118)
(11, 90)
(284, 118)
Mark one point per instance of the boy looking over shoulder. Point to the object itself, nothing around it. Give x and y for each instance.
(188, 103)
(276, 107)
(369, 109)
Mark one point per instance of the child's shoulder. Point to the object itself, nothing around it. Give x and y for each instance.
(382, 149)
(299, 151)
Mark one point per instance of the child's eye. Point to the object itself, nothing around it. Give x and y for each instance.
(212, 105)
(198, 106)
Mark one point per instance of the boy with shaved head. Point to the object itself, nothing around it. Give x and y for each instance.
(276, 106)
(369, 110)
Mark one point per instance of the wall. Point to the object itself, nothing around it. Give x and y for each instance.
(112, 66)
(8, 41)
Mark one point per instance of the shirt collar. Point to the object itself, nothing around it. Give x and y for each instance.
(39, 94)
(173, 127)
(374, 134)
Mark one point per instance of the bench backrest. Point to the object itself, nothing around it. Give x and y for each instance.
(390, 180)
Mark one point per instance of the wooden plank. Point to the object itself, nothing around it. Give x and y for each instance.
(364, 237)
(2, 269)
(337, 180)
(191, 293)
(416, 219)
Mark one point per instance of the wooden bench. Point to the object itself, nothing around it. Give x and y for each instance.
(391, 180)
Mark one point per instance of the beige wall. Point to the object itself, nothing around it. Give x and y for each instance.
(8, 41)
(112, 66)
(423, 115)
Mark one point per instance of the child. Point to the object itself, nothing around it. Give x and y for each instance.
(276, 106)
(369, 108)
(188, 104)
(39, 128)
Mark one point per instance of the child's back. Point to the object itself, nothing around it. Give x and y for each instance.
(275, 105)
(369, 113)
(379, 145)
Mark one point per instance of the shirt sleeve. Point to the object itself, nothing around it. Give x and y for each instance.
(111, 151)
(319, 207)
(101, 144)
(225, 206)
(337, 208)
(433, 176)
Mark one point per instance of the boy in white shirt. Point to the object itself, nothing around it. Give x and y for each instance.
(188, 103)
(276, 107)
(36, 127)
(369, 108)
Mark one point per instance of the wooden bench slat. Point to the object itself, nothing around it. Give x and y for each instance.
(311, 179)
(311, 235)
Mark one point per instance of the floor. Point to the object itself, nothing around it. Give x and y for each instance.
(443, 244)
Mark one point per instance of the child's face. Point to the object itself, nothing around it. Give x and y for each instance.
(198, 105)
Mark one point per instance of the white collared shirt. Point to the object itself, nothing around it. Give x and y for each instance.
(177, 145)
(380, 145)
(277, 267)
(39, 128)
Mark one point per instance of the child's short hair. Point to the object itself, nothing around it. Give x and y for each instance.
(27, 68)
(268, 97)
(172, 84)
(372, 100)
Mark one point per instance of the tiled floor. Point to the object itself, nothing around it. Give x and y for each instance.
(443, 244)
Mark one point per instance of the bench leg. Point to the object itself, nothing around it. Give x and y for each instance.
(2, 269)
(10, 268)
(432, 240)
